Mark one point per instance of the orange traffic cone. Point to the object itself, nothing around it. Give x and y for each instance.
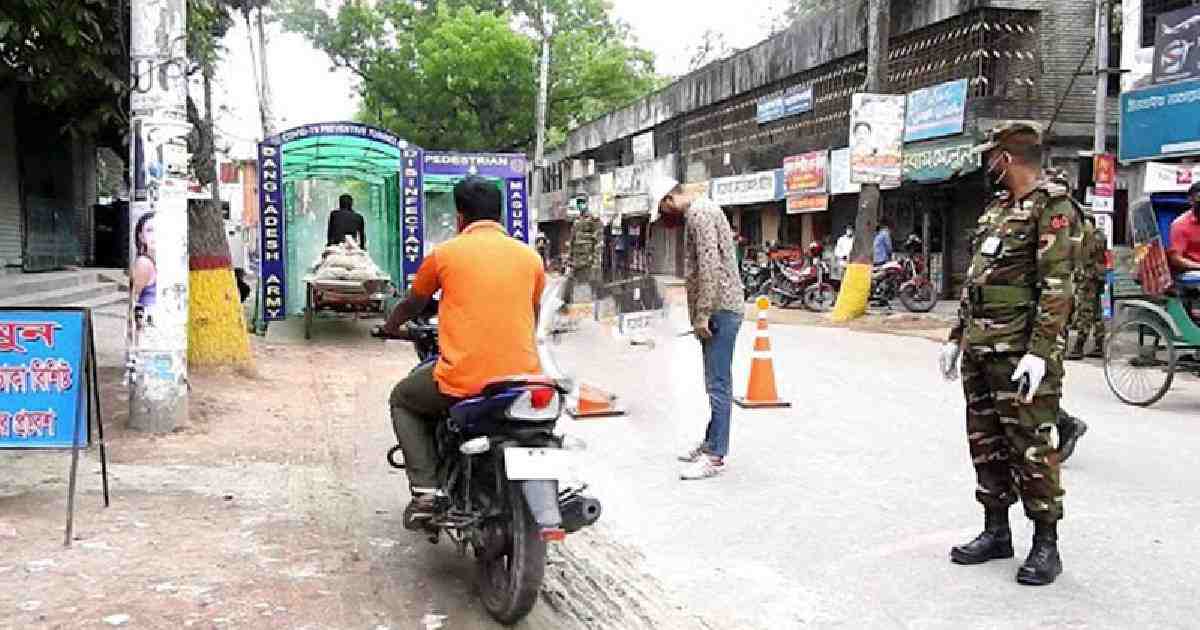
(595, 403)
(761, 392)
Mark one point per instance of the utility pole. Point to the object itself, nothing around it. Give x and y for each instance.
(268, 118)
(1102, 13)
(159, 175)
(539, 149)
(856, 291)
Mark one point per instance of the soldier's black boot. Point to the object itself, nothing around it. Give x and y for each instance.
(995, 542)
(1076, 352)
(1098, 351)
(1043, 565)
(1070, 429)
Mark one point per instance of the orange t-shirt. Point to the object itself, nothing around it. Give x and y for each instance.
(491, 288)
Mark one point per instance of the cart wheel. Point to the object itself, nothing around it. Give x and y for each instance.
(1139, 362)
(309, 305)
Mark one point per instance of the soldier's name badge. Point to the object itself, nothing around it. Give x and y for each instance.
(1027, 204)
(991, 246)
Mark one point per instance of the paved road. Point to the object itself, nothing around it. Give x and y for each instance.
(839, 512)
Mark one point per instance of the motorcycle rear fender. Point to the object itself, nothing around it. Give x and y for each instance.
(542, 497)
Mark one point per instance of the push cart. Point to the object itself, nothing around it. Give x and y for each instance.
(360, 297)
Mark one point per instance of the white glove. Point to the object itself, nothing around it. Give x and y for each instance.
(948, 361)
(1034, 367)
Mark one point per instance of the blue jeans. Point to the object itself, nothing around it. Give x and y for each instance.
(718, 378)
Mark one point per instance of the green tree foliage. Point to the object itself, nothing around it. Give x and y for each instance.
(71, 57)
(463, 73)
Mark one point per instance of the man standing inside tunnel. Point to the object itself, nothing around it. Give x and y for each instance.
(345, 222)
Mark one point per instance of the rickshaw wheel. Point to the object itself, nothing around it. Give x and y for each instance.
(1139, 362)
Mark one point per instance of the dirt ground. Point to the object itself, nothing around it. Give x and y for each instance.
(272, 508)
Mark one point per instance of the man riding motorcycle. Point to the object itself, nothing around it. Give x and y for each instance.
(491, 286)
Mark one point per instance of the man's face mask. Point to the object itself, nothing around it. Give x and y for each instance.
(997, 168)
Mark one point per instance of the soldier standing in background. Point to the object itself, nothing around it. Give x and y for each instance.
(587, 237)
(1089, 278)
(1015, 304)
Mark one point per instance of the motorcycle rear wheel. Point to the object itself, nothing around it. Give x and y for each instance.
(918, 298)
(820, 298)
(510, 577)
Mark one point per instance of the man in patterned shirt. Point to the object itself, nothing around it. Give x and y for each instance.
(715, 308)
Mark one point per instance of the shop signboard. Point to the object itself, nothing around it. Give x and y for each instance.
(1170, 177)
(608, 192)
(643, 147)
(939, 160)
(636, 179)
(794, 101)
(806, 174)
(876, 138)
(808, 203)
(1177, 45)
(760, 187)
(1160, 121)
(839, 173)
(936, 111)
(1104, 166)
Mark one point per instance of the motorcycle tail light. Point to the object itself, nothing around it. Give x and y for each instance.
(536, 404)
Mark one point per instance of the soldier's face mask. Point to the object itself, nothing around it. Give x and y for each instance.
(997, 168)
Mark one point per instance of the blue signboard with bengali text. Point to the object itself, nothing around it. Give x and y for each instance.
(43, 378)
(936, 111)
(1160, 121)
(797, 100)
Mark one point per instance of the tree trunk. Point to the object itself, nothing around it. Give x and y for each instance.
(856, 284)
(216, 326)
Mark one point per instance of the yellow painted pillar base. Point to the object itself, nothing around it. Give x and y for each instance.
(216, 327)
(856, 291)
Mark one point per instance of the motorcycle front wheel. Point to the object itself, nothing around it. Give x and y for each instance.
(513, 564)
(820, 298)
(918, 298)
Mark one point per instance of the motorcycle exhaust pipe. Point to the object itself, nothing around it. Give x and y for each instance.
(579, 511)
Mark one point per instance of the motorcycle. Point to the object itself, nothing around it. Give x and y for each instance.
(820, 288)
(754, 277)
(785, 284)
(904, 279)
(499, 465)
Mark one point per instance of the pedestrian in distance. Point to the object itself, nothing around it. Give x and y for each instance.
(587, 237)
(715, 310)
(1089, 287)
(1015, 304)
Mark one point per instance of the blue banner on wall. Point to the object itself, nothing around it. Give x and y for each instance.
(791, 103)
(936, 111)
(1160, 121)
(412, 203)
(43, 379)
(273, 248)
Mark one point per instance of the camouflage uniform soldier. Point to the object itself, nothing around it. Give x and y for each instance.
(1070, 428)
(587, 236)
(1089, 278)
(1015, 304)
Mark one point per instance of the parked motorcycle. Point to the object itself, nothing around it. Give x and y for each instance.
(754, 277)
(500, 462)
(904, 279)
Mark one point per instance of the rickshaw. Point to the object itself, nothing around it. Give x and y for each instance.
(1157, 313)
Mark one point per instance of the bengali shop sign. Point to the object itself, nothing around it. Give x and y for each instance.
(936, 111)
(939, 160)
(806, 174)
(43, 382)
(876, 138)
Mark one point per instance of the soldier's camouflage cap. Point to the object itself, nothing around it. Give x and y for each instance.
(1011, 133)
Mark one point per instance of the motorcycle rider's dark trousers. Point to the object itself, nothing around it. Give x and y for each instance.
(417, 407)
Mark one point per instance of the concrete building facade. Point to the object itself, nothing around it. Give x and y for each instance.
(1020, 59)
